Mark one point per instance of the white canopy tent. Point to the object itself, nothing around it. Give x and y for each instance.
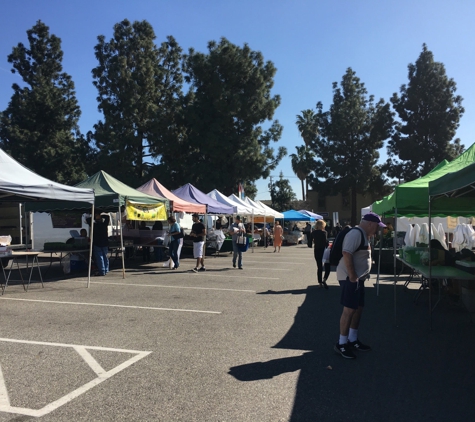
(238, 207)
(19, 184)
(271, 211)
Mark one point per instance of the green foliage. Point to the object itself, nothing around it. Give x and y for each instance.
(303, 163)
(350, 135)
(228, 103)
(39, 128)
(282, 194)
(429, 113)
(250, 189)
(307, 124)
(139, 86)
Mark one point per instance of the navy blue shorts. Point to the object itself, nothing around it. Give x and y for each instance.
(352, 294)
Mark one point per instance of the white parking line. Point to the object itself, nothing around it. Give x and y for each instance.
(111, 305)
(160, 285)
(243, 276)
(102, 375)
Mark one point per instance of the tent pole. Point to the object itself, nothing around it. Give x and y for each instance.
(91, 234)
(379, 258)
(430, 268)
(32, 234)
(252, 231)
(206, 234)
(394, 260)
(122, 242)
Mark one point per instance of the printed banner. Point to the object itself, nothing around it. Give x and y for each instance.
(146, 212)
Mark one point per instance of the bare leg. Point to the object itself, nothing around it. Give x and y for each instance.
(355, 321)
(346, 320)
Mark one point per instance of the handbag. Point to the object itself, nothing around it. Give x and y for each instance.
(241, 239)
(180, 235)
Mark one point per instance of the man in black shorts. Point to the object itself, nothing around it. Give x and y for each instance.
(351, 272)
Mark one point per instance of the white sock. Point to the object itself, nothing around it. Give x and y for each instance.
(343, 339)
(353, 335)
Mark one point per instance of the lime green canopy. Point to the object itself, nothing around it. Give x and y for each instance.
(110, 193)
(454, 193)
(412, 198)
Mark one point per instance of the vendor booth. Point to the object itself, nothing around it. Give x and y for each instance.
(19, 184)
(115, 196)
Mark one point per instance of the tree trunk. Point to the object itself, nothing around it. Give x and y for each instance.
(353, 206)
(303, 190)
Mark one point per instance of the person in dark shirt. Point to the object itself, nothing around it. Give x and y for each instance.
(145, 249)
(198, 233)
(320, 242)
(158, 225)
(100, 241)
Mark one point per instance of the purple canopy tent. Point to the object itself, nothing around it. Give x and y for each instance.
(189, 193)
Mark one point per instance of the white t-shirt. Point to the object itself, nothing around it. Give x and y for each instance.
(361, 258)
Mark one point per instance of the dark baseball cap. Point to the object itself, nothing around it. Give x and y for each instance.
(196, 215)
(374, 218)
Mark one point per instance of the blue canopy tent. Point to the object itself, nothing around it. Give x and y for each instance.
(292, 215)
(311, 214)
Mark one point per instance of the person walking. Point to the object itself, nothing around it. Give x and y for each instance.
(198, 233)
(235, 230)
(352, 271)
(320, 242)
(100, 241)
(278, 235)
(174, 232)
(308, 234)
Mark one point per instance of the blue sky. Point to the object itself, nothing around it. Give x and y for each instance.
(311, 43)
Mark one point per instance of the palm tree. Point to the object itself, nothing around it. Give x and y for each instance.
(307, 125)
(302, 165)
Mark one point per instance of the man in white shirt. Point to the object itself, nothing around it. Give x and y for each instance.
(352, 271)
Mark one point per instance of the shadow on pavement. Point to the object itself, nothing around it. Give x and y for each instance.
(413, 373)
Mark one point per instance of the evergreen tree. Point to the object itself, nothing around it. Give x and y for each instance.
(139, 86)
(350, 135)
(40, 128)
(303, 163)
(229, 102)
(429, 113)
(282, 194)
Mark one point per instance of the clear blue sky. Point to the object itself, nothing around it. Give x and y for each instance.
(311, 42)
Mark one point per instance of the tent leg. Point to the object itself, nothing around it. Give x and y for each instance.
(252, 231)
(122, 243)
(91, 234)
(395, 271)
(379, 260)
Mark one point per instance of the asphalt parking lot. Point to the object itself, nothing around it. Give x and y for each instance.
(228, 345)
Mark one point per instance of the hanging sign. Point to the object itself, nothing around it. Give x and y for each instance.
(146, 212)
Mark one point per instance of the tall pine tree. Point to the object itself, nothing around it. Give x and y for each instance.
(429, 114)
(229, 102)
(40, 128)
(139, 86)
(350, 135)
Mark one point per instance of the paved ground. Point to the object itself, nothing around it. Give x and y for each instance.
(228, 345)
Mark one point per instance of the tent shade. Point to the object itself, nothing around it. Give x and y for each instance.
(191, 194)
(270, 211)
(238, 207)
(257, 211)
(311, 214)
(292, 215)
(154, 188)
(412, 198)
(110, 194)
(454, 193)
(19, 184)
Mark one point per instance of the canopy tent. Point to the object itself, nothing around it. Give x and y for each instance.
(191, 194)
(110, 194)
(154, 188)
(19, 184)
(454, 193)
(311, 214)
(238, 207)
(411, 198)
(258, 211)
(270, 211)
(292, 215)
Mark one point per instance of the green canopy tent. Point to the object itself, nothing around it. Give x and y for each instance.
(110, 194)
(411, 199)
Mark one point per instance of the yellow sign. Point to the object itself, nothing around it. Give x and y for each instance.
(451, 223)
(146, 212)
